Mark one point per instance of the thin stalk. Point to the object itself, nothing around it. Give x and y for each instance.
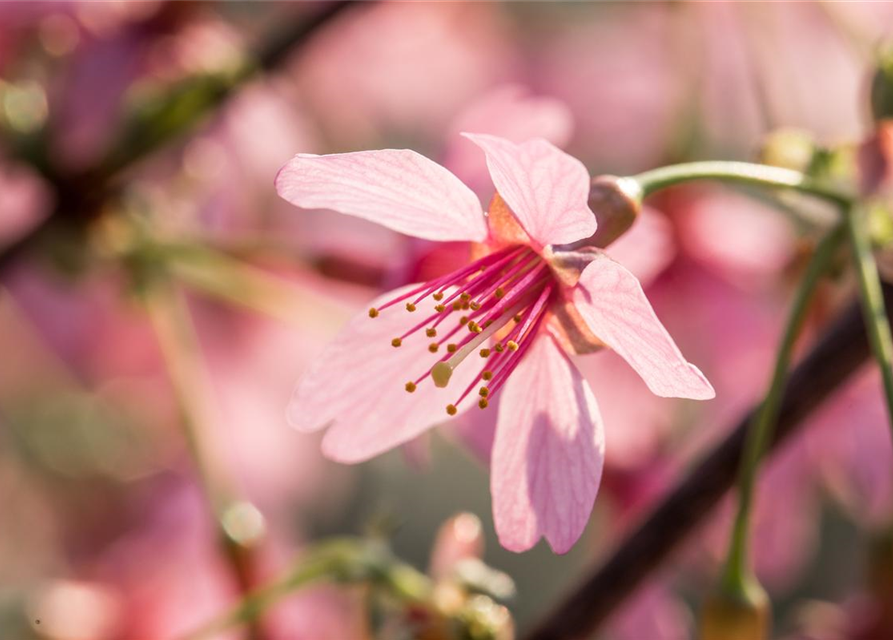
(737, 172)
(872, 298)
(737, 576)
(170, 317)
(344, 561)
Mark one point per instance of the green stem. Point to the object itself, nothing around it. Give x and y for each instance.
(170, 317)
(345, 561)
(871, 295)
(737, 577)
(737, 172)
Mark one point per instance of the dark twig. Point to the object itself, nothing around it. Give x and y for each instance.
(836, 356)
(181, 110)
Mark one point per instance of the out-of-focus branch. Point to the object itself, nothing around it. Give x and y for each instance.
(179, 111)
(839, 352)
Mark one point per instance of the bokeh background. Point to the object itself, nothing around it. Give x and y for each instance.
(152, 280)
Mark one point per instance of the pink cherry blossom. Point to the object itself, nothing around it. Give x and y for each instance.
(518, 309)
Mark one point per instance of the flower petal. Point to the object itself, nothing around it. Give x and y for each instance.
(397, 188)
(546, 188)
(357, 386)
(611, 301)
(549, 450)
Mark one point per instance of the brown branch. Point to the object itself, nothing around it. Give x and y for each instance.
(836, 356)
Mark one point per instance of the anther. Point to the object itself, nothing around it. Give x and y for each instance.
(439, 308)
(474, 305)
(477, 329)
(463, 320)
(451, 409)
(410, 307)
(466, 306)
(512, 345)
(483, 392)
(464, 297)
(482, 403)
(517, 317)
(396, 342)
(441, 373)
(373, 312)
(433, 347)
(472, 325)
(410, 386)
(485, 352)
(487, 375)
(457, 305)
(452, 347)
(430, 332)
(499, 293)
(438, 296)
(498, 348)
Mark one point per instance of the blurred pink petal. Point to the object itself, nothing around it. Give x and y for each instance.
(399, 189)
(647, 248)
(24, 202)
(549, 451)
(546, 188)
(357, 385)
(612, 303)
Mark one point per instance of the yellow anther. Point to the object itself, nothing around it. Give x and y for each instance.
(483, 392)
(485, 352)
(487, 375)
(482, 403)
(474, 305)
(466, 306)
(512, 345)
(433, 347)
(451, 409)
(410, 386)
(465, 297)
(451, 347)
(463, 320)
(438, 296)
(499, 293)
(373, 312)
(396, 342)
(471, 325)
(410, 307)
(441, 373)
(457, 305)
(439, 308)
(498, 347)
(431, 332)
(477, 329)
(517, 318)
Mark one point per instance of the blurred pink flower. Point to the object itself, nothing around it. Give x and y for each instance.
(549, 439)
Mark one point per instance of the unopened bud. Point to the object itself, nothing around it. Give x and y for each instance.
(744, 616)
(789, 148)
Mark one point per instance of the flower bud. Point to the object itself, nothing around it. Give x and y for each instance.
(744, 616)
(788, 148)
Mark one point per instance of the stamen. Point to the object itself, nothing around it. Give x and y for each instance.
(431, 332)
(487, 375)
(373, 312)
(451, 409)
(396, 342)
(410, 307)
(483, 392)
(485, 352)
(410, 386)
(482, 403)
(433, 347)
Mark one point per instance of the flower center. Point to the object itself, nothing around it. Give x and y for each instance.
(501, 297)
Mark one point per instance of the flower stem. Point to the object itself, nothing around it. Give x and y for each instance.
(342, 560)
(238, 523)
(872, 299)
(737, 172)
(737, 579)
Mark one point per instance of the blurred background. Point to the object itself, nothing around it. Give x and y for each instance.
(158, 301)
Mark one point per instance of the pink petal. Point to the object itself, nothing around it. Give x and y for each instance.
(356, 385)
(548, 455)
(397, 188)
(612, 303)
(546, 188)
